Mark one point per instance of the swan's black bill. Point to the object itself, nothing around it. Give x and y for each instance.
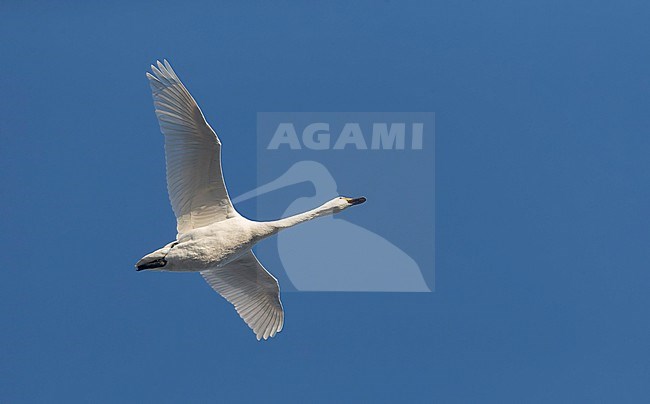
(356, 201)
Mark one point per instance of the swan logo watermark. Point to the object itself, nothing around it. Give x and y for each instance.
(386, 244)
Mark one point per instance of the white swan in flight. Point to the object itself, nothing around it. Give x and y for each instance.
(213, 238)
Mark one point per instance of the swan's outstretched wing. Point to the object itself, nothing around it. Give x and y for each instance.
(193, 153)
(252, 290)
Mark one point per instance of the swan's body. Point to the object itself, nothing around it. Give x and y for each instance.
(208, 247)
(213, 238)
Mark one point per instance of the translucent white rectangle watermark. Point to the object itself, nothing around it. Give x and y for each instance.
(307, 158)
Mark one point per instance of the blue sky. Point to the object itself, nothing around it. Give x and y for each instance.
(542, 195)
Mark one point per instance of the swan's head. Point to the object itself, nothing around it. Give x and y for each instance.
(341, 203)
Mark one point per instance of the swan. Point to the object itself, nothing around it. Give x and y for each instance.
(212, 237)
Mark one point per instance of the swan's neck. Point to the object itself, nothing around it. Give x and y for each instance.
(270, 228)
